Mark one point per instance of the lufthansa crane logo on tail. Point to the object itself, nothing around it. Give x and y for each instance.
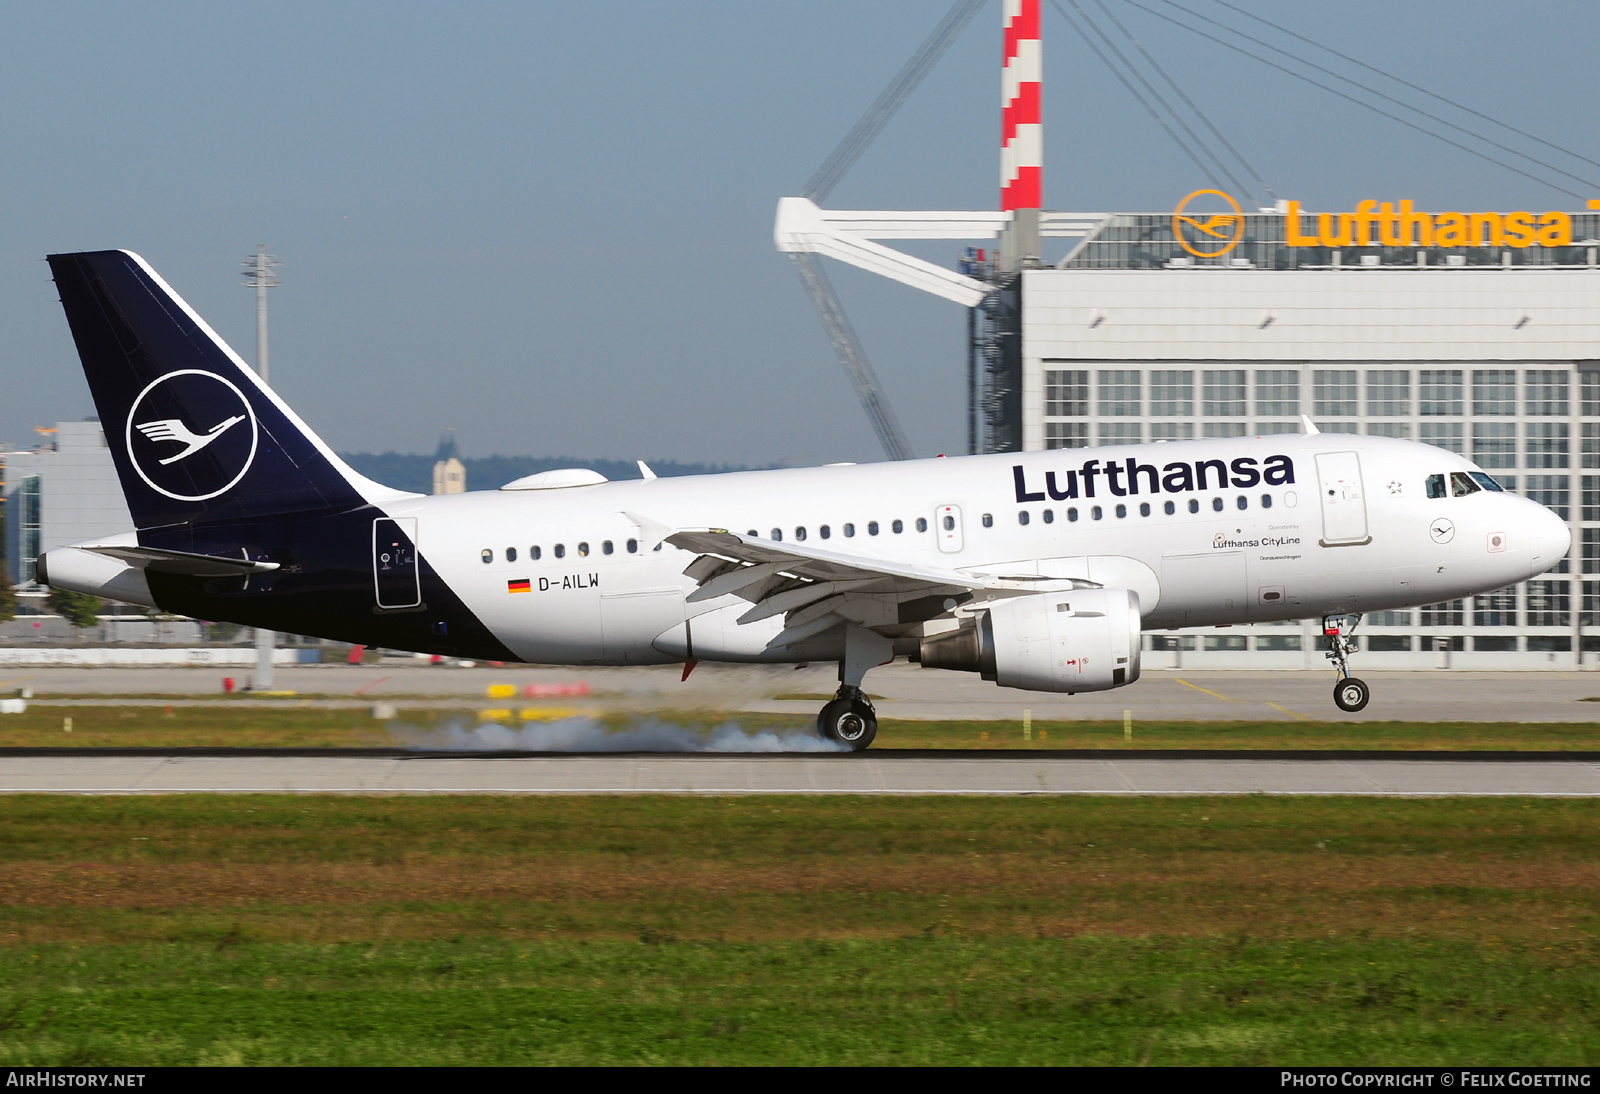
(191, 435)
(1208, 233)
(173, 429)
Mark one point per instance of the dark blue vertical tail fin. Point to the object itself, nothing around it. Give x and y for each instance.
(193, 431)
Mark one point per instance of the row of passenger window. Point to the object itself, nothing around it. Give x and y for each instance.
(1097, 513)
(825, 531)
(559, 551)
(1023, 517)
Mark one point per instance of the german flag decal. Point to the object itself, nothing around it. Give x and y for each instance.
(521, 586)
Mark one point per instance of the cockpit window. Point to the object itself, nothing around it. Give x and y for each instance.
(1436, 487)
(1461, 484)
(1486, 482)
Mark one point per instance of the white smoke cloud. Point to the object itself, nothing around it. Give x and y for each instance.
(586, 734)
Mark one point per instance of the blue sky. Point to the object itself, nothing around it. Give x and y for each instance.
(549, 227)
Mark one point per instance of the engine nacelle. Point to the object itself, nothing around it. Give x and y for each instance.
(1081, 640)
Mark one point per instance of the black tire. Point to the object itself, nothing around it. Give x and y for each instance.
(850, 722)
(1351, 695)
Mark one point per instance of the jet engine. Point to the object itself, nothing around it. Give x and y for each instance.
(1080, 640)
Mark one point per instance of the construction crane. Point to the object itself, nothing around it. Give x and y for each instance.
(827, 176)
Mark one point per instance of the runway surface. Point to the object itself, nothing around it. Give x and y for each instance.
(902, 690)
(886, 773)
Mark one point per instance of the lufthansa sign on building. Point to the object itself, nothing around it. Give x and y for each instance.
(1208, 223)
(1203, 229)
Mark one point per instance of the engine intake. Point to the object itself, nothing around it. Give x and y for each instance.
(1082, 640)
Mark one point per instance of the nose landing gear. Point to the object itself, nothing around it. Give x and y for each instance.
(1349, 693)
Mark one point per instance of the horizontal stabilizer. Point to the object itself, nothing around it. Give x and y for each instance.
(179, 562)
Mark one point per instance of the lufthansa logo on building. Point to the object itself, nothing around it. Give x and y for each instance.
(1207, 233)
(191, 435)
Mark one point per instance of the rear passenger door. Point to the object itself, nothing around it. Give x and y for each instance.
(396, 581)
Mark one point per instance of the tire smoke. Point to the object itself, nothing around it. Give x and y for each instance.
(586, 734)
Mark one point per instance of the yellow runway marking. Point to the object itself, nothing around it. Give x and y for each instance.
(1290, 713)
(1225, 699)
(1208, 691)
(18, 680)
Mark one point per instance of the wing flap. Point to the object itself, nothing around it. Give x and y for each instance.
(812, 563)
(815, 589)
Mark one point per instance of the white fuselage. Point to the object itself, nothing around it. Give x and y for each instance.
(1349, 534)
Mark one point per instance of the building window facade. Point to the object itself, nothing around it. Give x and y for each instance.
(1224, 394)
(1547, 444)
(1066, 434)
(1547, 392)
(1171, 393)
(1494, 391)
(1334, 393)
(1530, 427)
(1439, 391)
(1389, 393)
(32, 511)
(1066, 393)
(1277, 392)
(1446, 435)
(1494, 444)
(1120, 393)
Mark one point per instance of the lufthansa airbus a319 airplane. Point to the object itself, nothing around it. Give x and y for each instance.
(1038, 570)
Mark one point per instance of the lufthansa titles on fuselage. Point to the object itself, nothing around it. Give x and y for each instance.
(1124, 478)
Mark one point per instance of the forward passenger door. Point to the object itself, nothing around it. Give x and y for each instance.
(1344, 504)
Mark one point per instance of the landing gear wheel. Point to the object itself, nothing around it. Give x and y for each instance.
(1351, 695)
(850, 721)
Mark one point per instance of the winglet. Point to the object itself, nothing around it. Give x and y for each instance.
(644, 469)
(1310, 427)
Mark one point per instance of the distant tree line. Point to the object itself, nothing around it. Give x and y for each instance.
(407, 471)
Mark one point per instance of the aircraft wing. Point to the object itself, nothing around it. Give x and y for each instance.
(817, 589)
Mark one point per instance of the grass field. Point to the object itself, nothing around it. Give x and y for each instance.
(296, 726)
(1249, 930)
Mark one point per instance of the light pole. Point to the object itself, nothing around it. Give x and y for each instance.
(258, 276)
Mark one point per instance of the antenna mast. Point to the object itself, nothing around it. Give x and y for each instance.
(258, 275)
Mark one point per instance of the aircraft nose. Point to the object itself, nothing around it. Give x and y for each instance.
(1551, 539)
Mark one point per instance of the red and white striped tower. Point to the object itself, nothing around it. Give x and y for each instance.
(1021, 131)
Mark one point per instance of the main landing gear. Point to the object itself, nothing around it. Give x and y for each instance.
(1349, 693)
(848, 719)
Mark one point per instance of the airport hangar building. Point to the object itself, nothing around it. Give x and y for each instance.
(1150, 329)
